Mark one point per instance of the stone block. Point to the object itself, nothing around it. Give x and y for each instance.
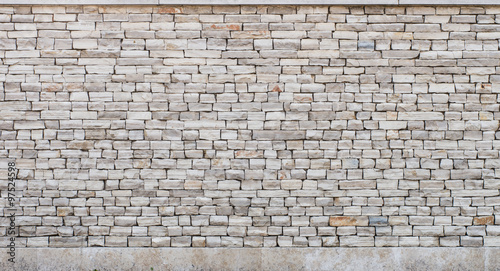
(339, 221)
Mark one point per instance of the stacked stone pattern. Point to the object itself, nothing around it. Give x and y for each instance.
(251, 126)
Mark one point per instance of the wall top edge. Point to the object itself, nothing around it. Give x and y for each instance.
(250, 2)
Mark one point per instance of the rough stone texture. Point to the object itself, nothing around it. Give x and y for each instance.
(251, 126)
(254, 2)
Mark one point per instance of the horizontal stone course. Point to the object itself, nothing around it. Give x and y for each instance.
(256, 2)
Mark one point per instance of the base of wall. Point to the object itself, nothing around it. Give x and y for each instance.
(252, 259)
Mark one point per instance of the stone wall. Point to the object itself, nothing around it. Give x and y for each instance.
(251, 126)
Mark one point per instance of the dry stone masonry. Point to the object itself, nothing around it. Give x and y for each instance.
(251, 126)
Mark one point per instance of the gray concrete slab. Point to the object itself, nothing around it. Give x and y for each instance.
(91, 258)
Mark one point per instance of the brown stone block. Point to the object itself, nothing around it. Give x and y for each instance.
(169, 10)
(339, 221)
(64, 211)
(223, 27)
(249, 154)
(484, 220)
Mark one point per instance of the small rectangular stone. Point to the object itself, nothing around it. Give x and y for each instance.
(279, 135)
(420, 116)
(339, 221)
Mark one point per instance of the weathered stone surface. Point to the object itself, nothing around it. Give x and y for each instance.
(377, 221)
(485, 220)
(279, 135)
(251, 126)
(420, 116)
(339, 221)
